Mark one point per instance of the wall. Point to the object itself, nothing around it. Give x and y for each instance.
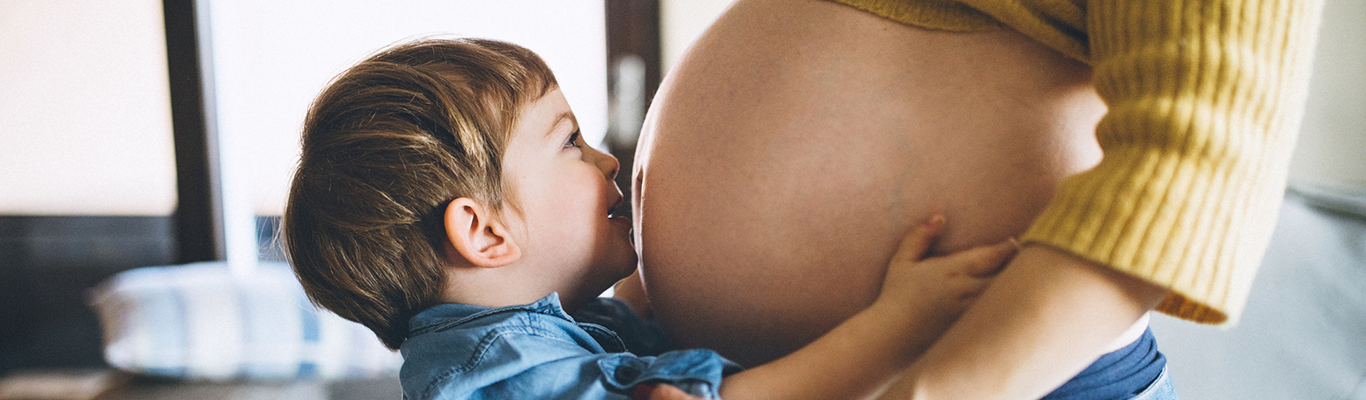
(1332, 147)
(681, 21)
(271, 58)
(85, 124)
(84, 102)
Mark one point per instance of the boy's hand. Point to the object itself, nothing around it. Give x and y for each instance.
(920, 299)
(661, 392)
(935, 291)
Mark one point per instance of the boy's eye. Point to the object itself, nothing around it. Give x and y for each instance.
(573, 140)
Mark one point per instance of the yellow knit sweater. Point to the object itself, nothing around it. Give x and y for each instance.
(1205, 99)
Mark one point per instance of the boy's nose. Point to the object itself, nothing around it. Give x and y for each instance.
(607, 163)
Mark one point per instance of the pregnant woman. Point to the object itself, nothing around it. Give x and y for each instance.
(1137, 148)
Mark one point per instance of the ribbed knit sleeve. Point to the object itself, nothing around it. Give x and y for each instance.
(1204, 97)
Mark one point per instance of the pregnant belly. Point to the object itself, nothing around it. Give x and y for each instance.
(790, 149)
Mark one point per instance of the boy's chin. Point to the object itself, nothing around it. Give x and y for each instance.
(620, 274)
(626, 263)
(623, 273)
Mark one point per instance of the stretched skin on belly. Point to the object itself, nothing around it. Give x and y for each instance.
(774, 180)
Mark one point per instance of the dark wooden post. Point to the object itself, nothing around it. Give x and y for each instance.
(198, 216)
(633, 75)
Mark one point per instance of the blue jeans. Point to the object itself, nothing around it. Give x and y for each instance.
(1160, 389)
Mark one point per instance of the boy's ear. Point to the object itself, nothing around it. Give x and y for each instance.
(479, 238)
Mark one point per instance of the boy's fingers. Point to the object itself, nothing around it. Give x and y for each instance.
(642, 392)
(918, 240)
(987, 260)
(666, 392)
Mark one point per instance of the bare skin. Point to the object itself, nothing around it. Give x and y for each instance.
(802, 134)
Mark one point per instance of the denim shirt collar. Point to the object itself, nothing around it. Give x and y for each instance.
(443, 316)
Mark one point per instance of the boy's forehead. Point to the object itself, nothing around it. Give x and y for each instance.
(548, 113)
(566, 117)
(553, 102)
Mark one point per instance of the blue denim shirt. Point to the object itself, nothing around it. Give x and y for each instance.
(537, 351)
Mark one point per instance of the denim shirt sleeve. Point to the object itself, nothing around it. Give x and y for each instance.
(548, 372)
(698, 372)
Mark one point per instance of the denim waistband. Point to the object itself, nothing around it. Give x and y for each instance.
(1117, 375)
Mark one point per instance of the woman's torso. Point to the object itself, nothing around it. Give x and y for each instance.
(790, 149)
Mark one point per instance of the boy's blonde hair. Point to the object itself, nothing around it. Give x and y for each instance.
(386, 146)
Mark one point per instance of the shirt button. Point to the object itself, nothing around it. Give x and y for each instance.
(626, 374)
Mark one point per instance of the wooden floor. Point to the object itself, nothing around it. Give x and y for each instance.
(107, 384)
(370, 389)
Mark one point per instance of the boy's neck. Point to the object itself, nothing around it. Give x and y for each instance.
(505, 286)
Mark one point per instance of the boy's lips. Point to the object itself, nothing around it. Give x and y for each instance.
(622, 219)
(615, 204)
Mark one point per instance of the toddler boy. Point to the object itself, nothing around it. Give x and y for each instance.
(445, 199)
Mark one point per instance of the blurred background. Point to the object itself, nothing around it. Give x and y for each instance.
(139, 133)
